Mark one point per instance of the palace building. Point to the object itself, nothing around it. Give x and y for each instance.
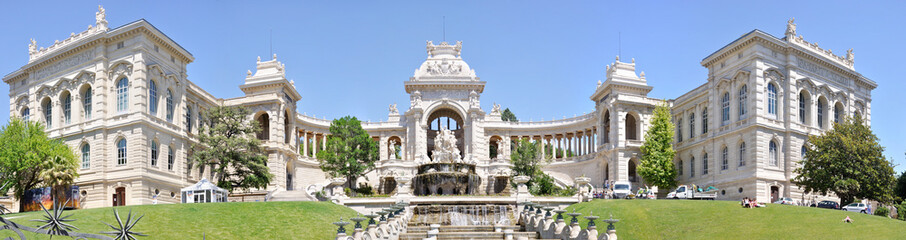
(122, 99)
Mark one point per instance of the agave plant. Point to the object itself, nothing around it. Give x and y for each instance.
(55, 222)
(124, 231)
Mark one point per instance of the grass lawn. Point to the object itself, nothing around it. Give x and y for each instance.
(252, 220)
(688, 219)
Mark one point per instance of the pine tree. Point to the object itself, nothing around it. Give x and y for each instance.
(227, 144)
(656, 165)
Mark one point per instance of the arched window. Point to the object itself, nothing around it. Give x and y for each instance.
(170, 160)
(724, 160)
(691, 125)
(822, 106)
(772, 153)
(742, 101)
(26, 114)
(631, 127)
(679, 167)
(48, 112)
(152, 97)
(121, 152)
(67, 107)
(169, 105)
(704, 120)
(86, 156)
(189, 119)
(725, 109)
(287, 128)
(692, 167)
(155, 148)
(606, 126)
(742, 154)
(705, 164)
(838, 112)
(803, 114)
(802, 152)
(856, 115)
(122, 95)
(772, 99)
(264, 123)
(86, 103)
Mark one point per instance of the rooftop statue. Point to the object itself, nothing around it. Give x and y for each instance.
(791, 27)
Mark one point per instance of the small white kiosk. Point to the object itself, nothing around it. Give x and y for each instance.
(203, 192)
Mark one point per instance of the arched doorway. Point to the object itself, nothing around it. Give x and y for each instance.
(445, 118)
(633, 177)
(289, 176)
(775, 193)
(119, 196)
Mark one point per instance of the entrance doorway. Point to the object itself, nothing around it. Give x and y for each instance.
(775, 193)
(119, 197)
(289, 181)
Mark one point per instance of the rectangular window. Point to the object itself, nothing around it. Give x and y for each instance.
(725, 109)
(692, 125)
(170, 160)
(86, 104)
(120, 45)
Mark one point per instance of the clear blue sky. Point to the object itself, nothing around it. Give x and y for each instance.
(540, 59)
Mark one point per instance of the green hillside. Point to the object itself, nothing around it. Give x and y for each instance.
(271, 220)
(687, 219)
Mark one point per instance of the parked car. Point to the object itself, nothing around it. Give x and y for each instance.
(621, 189)
(786, 201)
(829, 204)
(856, 207)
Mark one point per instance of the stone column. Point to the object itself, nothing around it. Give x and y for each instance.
(315, 145)
(305, 143)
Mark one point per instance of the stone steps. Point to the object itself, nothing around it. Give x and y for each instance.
(290, 196)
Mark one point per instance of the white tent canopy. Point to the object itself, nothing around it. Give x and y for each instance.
(204, 191)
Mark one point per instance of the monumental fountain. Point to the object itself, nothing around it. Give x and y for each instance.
(446, 173)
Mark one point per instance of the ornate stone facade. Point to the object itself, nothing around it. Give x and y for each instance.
(123, 96)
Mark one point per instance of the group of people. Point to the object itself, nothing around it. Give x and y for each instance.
(751, 203)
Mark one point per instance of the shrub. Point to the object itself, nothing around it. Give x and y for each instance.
(882, 211)
(901, 211)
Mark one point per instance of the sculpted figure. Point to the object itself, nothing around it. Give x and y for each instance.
(791, 27)
(392, 148)
(393, 109)
(101, 15)
(850, 56)
(32, 47)
(496, 109)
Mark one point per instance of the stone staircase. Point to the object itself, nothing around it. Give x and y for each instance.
(290, 196)
(468, 233)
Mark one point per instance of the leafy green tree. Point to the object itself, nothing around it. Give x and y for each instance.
(848, 161)
(656, 164)
(525, 158)
(29, 159)
(227, 144)
(350, 151)
(508, 116)
(527, 161)
(900, 191)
